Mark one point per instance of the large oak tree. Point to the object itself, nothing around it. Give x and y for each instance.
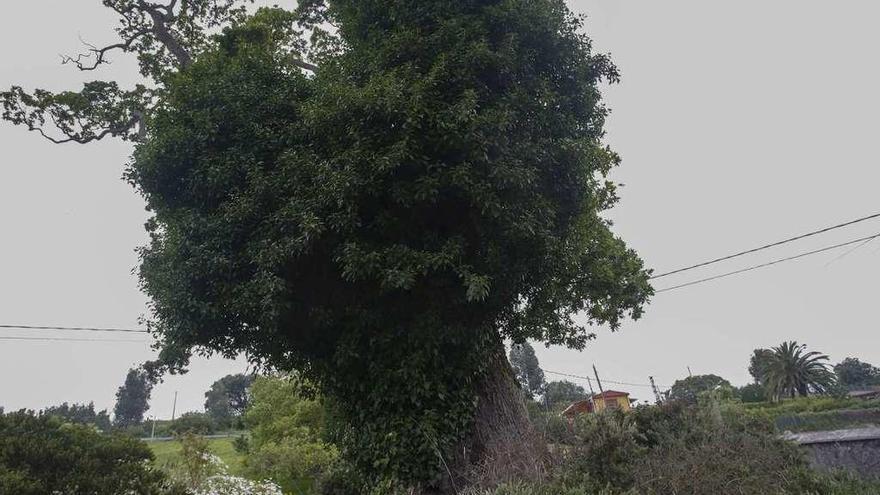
(375, 193)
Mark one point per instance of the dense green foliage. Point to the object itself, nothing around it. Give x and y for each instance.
(80, 414)
(690, 388)
(792, 372)
(527, 370)
(132, 399)
(562, 393)
(228, 398)
(852, 372)
(753, 392)
(758, 364)
(195, 423)
(288, 439)
(681, 448)
(43, 455)
(814, 413)
(437, 185)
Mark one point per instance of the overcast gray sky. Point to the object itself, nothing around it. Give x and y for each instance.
(738, 124)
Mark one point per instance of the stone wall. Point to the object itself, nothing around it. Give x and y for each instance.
(856, 450)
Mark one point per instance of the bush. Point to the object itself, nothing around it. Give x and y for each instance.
(241, 444)
(548, 423)
(80, 414)
(753, 392)
(602, 450)
(678, 448)
(296, 465)
(718, 460)
(42, 455)
(287, 436)
(203, 473)
(193, 423)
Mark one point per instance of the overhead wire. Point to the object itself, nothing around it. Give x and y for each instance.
(71, 329)
(69, 339)
(604, 380)
(767, 246)
(770, 263)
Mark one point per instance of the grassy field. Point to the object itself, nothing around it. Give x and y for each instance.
(168, 451)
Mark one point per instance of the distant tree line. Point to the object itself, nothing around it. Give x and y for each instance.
(785, 371)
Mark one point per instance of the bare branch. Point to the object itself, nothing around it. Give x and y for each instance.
(136, 28)
(100, 54)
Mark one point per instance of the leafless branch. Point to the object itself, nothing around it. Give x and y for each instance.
(160, 16)
(100, 54)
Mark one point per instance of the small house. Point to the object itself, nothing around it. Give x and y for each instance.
(609, 400)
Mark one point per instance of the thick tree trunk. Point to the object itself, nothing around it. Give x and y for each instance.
(502, 445)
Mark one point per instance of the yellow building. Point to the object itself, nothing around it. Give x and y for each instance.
(610, 400)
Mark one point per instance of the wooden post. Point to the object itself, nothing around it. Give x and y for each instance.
(601, 391)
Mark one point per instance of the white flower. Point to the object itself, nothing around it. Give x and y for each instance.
(226, 484)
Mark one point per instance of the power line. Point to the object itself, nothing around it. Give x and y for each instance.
(767, 246)
(770, 263)
(604, 380)
(71, 329)
(70, 339)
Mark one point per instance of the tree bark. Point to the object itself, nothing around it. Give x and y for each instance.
(502, 444)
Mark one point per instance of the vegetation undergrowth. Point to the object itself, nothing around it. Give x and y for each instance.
(679, 448)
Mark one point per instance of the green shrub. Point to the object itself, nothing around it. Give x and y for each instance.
(194, 423)
(717, 460)
(602, 450)
(548, 422)
(203, 473)
(287, 436)
(81, 414)
(241, 444)
(44, 455)
(753, 392)
(679, 448)
(296, 465)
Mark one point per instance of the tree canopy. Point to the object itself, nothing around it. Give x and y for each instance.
(688, 389)
(378, 206)
(527, 370)
(133, 398)
(758, 364)
(853, 372)
(80, 414)
(228, 397)
(563, 392)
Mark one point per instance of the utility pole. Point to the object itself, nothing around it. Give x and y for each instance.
(689, 372)
(590, 383)
(174, 407)
(601, 391)
(153, 431)
(657, 396)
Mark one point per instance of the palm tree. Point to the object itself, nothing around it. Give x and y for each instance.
(792, 372)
